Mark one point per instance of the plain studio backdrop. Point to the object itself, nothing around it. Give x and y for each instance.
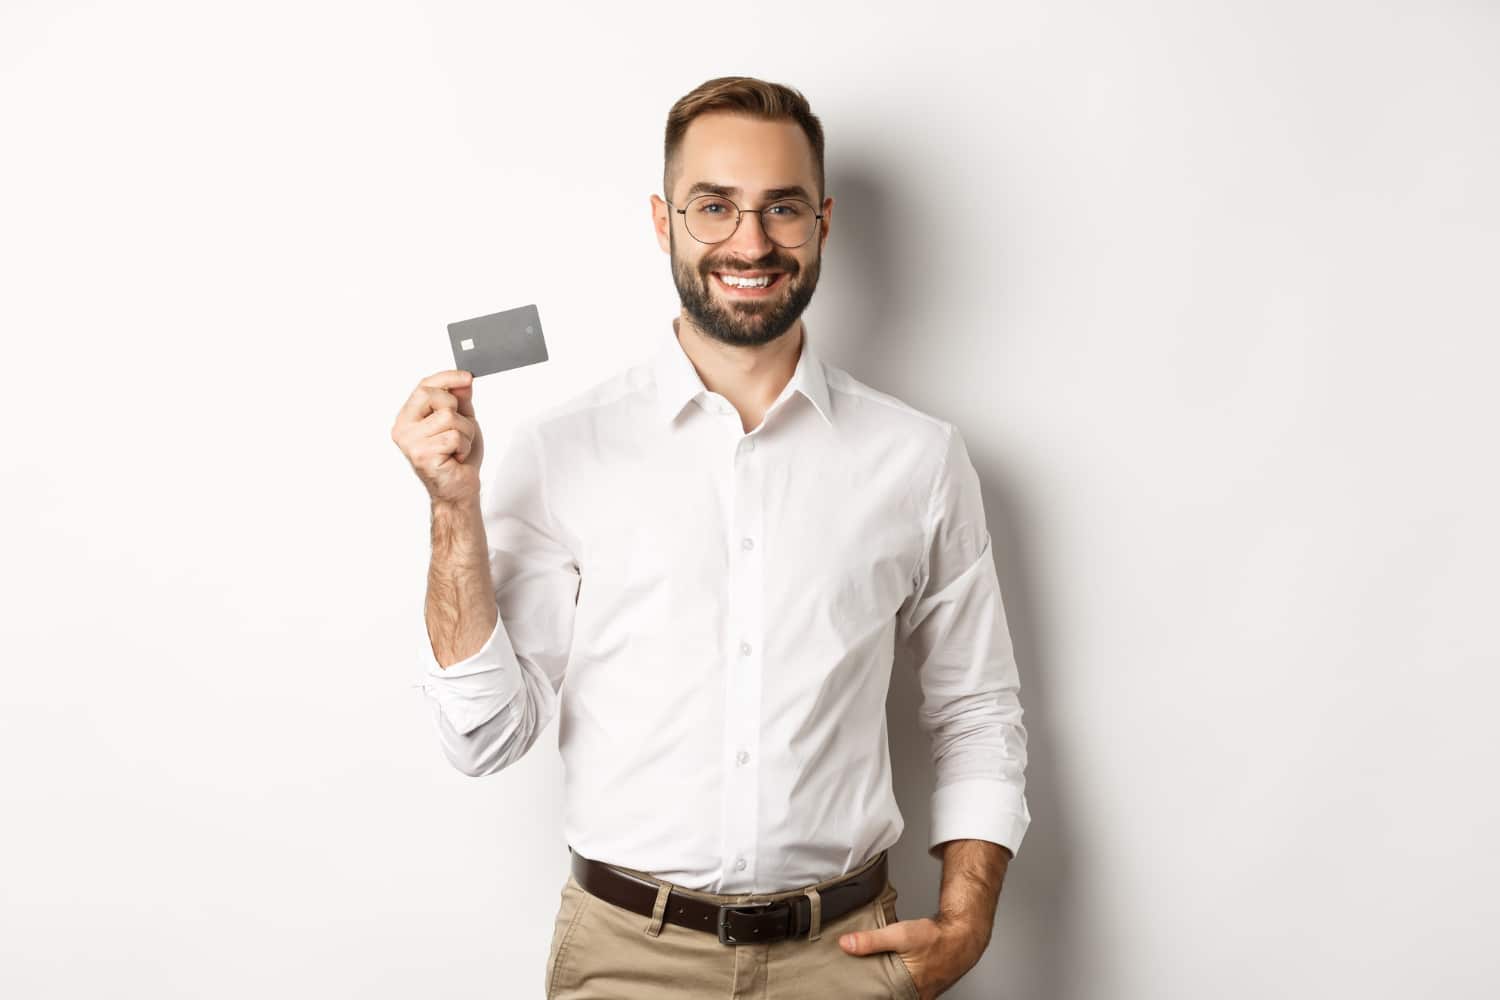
(1209, 288)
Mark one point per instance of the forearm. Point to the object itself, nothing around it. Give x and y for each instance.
(973, 871)
(461, 612)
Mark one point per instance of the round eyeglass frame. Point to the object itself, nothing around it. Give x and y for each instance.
(741, 218)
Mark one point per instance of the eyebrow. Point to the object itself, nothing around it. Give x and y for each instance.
(705, 187)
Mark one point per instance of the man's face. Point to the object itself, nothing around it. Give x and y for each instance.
(754, 156)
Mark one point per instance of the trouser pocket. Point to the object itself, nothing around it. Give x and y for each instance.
(885, 915)
(574, 900)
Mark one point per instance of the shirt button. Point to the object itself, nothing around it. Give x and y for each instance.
(749, 444)
(747, 543)
(742, 756)
(745, 648)
(739, 865)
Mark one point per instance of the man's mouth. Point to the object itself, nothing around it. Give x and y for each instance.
(748, 284)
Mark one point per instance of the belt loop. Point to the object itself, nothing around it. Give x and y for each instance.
(659, 911)
(817, 913)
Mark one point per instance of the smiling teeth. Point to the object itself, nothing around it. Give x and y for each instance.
(760, 282)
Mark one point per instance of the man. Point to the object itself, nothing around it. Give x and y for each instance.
(723, 550)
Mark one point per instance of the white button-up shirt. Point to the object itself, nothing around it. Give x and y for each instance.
(713, 616)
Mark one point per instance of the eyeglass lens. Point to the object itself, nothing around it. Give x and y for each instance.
(712, 219)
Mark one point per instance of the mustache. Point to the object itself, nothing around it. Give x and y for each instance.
(759, 265)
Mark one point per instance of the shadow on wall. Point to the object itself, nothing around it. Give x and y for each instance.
(876, 263)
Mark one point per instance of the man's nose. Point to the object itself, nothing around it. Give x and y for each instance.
(750, 236)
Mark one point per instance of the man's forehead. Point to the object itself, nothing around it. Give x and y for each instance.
(739, 155)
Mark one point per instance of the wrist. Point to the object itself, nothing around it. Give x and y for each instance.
(974, 931)
(461, 507)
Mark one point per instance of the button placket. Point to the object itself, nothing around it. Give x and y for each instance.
(745, 672)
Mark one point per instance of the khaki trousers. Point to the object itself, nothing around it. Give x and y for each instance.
(601, 951)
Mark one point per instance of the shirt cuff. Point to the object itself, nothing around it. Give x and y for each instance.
(475, 689)
(979, 809)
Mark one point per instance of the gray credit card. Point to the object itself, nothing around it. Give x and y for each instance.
(498, 342)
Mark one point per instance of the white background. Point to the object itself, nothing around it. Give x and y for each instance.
(1209, 288)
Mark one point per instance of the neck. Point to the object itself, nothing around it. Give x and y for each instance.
(749, 377)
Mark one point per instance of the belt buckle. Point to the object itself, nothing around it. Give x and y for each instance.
(726, 909)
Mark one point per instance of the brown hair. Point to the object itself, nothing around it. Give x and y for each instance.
(746, 95)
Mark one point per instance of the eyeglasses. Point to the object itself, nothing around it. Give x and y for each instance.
(711, 218)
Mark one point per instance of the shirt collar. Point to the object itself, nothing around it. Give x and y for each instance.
(677, 381)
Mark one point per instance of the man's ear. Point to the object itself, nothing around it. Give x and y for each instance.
(661, 222)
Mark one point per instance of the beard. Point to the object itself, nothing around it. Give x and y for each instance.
(749, 322)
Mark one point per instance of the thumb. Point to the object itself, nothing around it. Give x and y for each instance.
(867, 942)
(465, 394)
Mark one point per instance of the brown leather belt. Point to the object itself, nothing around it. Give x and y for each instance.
(748, 923)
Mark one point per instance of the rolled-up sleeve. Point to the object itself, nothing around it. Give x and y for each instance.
(490, 707)
(953, 632)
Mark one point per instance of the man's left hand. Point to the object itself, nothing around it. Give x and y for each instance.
(937, 952)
